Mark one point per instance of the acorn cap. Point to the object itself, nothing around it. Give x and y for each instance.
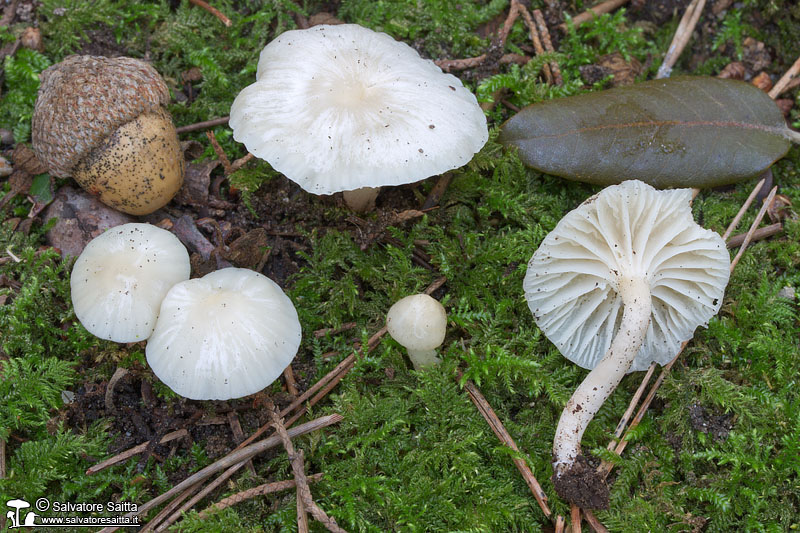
(84, 99)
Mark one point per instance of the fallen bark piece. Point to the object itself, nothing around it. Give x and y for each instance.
(80, 217)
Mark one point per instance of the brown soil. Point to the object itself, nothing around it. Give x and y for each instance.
(583, 486)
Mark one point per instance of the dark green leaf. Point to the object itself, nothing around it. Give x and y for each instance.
(681, 132)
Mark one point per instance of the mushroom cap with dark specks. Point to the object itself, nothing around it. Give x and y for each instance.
(84, 99)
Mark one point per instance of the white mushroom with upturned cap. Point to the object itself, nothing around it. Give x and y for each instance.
(619, 283)
(226, 335)
(341, 107)
(419, 323)
(120, 278)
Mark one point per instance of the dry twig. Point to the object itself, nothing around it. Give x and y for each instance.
(261, 490)
(759, 234)
(221, 155)
(437, 191)
(575, 518)
(127, 454)
(786, 79)
(291, 384)
(517, 9)
(500, 431)
(561, 523)
(594, 523)
(203, 125)
(541, 25)
(235, 457)
(298, 468)
(600, 9)
(214, 11)
(681, 37)
(335, 331)
(155, 524)
(748, 237)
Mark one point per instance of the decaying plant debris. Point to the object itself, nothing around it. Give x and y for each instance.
(86, 420)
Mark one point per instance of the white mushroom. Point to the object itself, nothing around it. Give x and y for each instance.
(418, 322)
(621, 282)
(120, 278)
(225, 335)
(338, 108)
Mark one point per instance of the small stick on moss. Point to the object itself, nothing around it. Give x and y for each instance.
(302, 515)
(214, 11)
(594, 523)
(242, 161)
(437, 283)
(291, 384)
(749, 235)
(541, 25)
(127, 454)
(460, 64)
(261, 490)
(236, 457)
(742, 210)
(222, 478)
(238, 434)
(318, 334)
(783, 83)
(631, 406)
(372, 343)
(471, 62)
(575, 518)
(561, 523)
(759, 234)
(298, 468)
(337, 374)
(600, 9)
(119, 373)
(437, 191)
(155, 523)
(536, 40)
(681, 37)
(503, 435)
(221, 155)
(203, 125)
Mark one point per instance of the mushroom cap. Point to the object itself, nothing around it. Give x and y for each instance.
(84, 99)
(340, 107)
(626, 230)
(417, 322)
(120, 278)
(226, 335)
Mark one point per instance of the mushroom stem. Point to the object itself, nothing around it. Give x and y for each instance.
(423, 358)
(601, 382)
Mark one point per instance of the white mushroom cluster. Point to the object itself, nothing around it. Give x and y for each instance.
(341, 107)
(223, 336)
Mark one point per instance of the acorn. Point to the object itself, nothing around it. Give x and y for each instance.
(104, 122)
